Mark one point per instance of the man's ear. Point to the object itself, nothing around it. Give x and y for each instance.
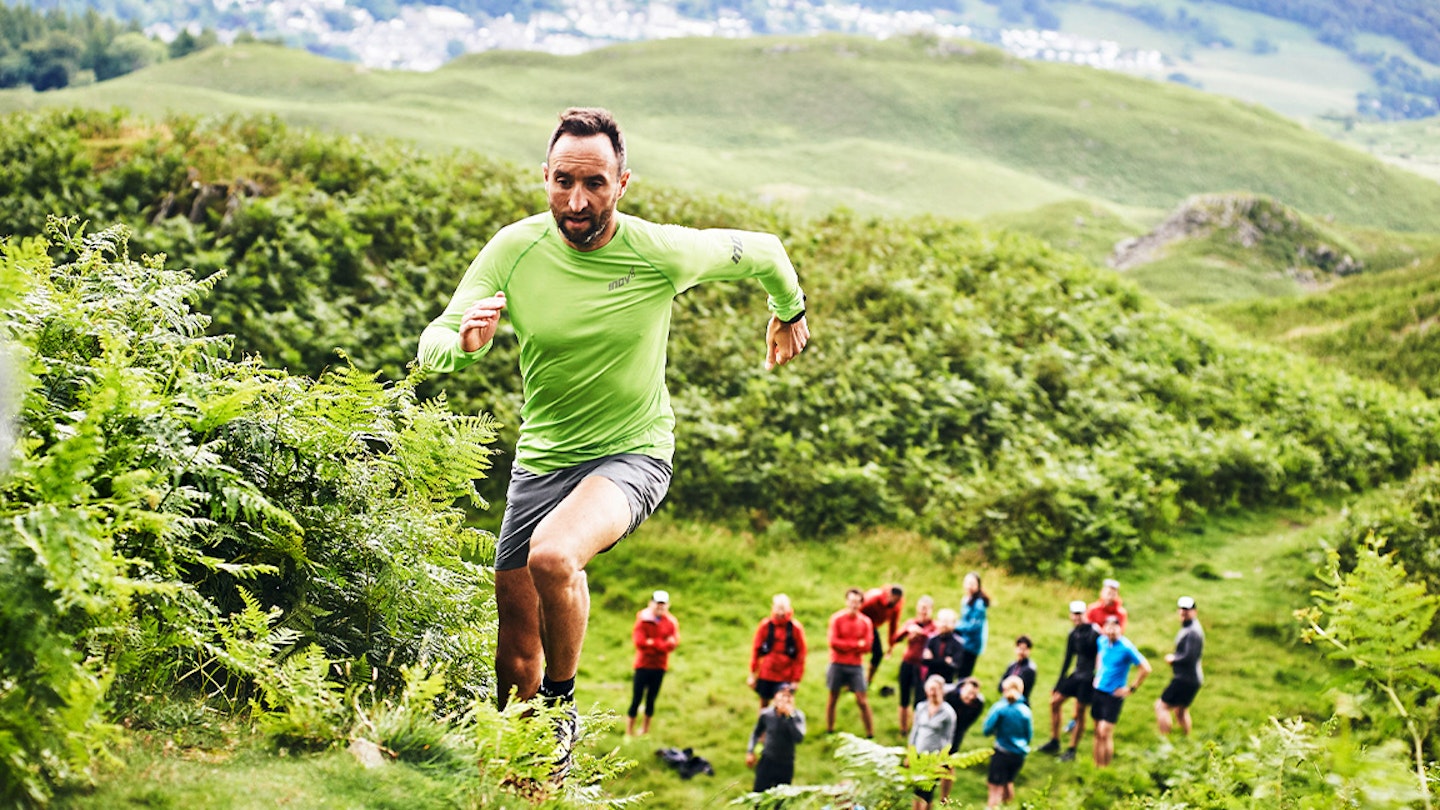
(624, 181)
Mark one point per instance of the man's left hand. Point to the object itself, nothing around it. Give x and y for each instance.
(783, 341)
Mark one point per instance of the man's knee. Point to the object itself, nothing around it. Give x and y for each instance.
(550, 565)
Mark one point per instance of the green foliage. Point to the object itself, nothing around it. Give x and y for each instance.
(872, 775)
(154, 478)
(47, 51)
(1375, 618)
(971, 384)
(1409, 518)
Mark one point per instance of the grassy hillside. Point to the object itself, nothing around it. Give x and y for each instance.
(1385, 325)
(903, 125)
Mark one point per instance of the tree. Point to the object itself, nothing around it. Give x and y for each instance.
(1376, 620)
(127, 53)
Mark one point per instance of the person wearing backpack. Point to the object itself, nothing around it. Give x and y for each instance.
(777, 655)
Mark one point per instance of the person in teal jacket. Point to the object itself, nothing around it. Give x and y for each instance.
(588, 292)
(973, 628)
(1012, 726)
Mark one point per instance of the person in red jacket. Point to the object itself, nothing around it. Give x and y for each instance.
(882, 605)
(1108, 605)
(656, 634)
(777, 655)
(851, 635)
(916, 632)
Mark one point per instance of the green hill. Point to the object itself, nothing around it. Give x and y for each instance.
(900, 126)
(1386, 325)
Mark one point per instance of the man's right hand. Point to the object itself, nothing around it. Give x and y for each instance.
(478, 325)
(749, 759)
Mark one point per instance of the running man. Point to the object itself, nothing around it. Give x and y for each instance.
(1114, 657)
(656, 635)
(1185, 668)
(850, 637)
(881, 606)
(777, 656)
(588, 291)
(1080, 647)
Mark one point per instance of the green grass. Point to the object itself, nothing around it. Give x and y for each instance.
(1413, 145)
(1248, 573)
(1084, 228)
(1385, 325)
(243, 774)
(906, 125)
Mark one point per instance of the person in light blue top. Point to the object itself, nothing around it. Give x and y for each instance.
(1114, 657)
(1012, 726)
(973, 628)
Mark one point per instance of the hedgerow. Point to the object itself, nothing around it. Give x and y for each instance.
(971, 384)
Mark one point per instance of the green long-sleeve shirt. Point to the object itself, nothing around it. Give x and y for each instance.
(593, 327)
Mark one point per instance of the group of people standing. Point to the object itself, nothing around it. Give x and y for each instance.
(940, 697)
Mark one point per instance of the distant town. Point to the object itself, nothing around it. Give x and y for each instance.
(424, 37)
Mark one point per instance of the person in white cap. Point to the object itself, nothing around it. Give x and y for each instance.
(1185, 671)
(656, 635)
(1080, 647)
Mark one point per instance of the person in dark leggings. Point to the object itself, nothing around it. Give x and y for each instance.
(657, 633)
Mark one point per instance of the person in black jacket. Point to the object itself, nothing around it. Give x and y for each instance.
(1080, 647)
(944, 649)
(969, 704)
(779, 729)
(1022, 667)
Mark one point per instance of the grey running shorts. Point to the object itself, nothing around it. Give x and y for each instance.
(845, 676)
(532, 496)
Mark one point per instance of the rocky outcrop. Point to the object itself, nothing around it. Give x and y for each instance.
(1248, 221)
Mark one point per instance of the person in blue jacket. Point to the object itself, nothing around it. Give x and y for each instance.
(1012, 726)
(973, 628)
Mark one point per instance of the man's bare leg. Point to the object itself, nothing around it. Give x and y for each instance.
(865, 714)
(518, 658)
(1162, 716)
(591, 519)
(1079, 730)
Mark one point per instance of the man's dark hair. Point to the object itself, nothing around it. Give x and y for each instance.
(896, 590)
(849, 591)
(582, 122)
(1026, 641)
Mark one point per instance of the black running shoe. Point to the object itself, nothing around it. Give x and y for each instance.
(1068, 756)
(1052, 747)
(567, 732)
